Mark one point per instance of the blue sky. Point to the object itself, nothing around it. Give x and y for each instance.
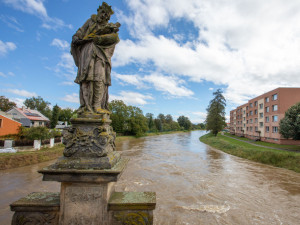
(172, 55)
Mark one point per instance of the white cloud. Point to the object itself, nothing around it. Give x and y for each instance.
(37, 8)
(210, 89)
(169, 85)
(5, 47)
(18, 101)
(74, 98)
(135, 80)
(131, 98)
(23, 93)
(11, 22)
(198, 117)
(62, 44)
(9, 74)
(250, 47)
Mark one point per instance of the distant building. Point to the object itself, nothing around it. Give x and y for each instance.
(259, 118)
(61, 125)
(28, 117)
(8, 125)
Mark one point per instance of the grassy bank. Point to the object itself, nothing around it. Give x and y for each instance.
(13, 160)
(267, 144)
(278, 158)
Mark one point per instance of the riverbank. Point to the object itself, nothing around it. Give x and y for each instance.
(278, 158)
(14, 160)
(19, 159)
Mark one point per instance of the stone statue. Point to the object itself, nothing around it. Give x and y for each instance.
(92, 48)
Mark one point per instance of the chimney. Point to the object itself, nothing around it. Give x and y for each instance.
(23, 108)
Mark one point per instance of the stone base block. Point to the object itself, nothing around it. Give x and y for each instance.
(37, 208)
(131, 208)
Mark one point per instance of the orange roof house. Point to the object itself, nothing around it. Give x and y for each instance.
(8, 125)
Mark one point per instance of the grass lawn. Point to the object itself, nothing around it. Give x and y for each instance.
(289, 147)
(13, 160)
(278, 158)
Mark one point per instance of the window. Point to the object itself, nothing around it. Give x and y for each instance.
(247, 128)
(244, 112)
(267, 129)
(255, 120)
(251, 113)
(247, 114)
(244, 125)
(261, 106)
(251, 128)
(275, 129)
(255, 103)
(255, 112)
(40, 123)
(244, 118)
(261, 115)
(274, 118)
(274, 97)
(247, 107)
(251, 105)
(0, 122)
(267, 109)
(261, 124)
(256, 128)
(274, 108)
(267, 119)
(247, 121)
(267, 99)
(251, 121)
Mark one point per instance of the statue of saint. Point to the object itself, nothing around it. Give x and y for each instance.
(92, 48)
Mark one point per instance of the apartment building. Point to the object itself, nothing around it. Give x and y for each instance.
(259, 118)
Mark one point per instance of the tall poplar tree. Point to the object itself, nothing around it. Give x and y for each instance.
(215, 119)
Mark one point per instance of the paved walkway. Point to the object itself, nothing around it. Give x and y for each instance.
(251, 142)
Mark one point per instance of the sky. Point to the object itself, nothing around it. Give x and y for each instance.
(172, 56)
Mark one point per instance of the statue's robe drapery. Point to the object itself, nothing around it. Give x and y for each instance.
(94, 62)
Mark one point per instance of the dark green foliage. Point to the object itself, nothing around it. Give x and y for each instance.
(119, 115)
(55, 116)
(39, 104)
(290, 124)
(215, 120)
(150, 120)
(137, 122)
(184, 122)
(37, 133)
(5, 104)
(66, 114)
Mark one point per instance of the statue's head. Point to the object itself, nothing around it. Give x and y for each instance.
(104, 12)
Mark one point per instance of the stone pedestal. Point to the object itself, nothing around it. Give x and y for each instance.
(51, 145)
(8, 143)
(88, 171)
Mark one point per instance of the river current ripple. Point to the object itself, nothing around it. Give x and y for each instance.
(194, 183)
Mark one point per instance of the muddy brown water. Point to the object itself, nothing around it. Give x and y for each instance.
(195, 184)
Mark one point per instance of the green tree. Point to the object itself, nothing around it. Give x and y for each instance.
(158, 124)
(119, 115)
(39, 104)
(184, 122)
(151, 124)
(215, 119)
(66, 114)
(55, 116)
(289, 126)
(137, 122)
(5, 104)
(37, 133)
(168, 119)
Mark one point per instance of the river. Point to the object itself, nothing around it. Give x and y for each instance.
(194, 183)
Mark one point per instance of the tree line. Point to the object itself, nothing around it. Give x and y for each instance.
(126, 119)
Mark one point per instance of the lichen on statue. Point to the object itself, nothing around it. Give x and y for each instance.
(92, 48)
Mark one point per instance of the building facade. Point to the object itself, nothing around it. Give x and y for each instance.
(28, 117)
(259, 118)
(8, 125)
